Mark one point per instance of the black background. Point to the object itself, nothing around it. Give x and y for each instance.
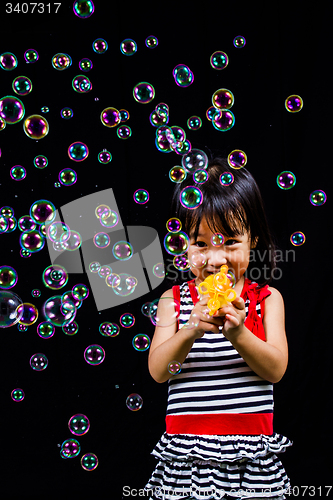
(286, 52)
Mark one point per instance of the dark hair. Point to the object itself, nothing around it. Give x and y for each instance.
(231, 210)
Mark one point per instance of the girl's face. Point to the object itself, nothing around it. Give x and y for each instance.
(235, 253)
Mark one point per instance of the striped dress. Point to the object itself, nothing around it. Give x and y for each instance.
(219, 437)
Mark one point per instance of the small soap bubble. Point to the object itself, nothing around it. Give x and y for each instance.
(36, 127)
(59, 312)
(26, 223)
(217, 239)
(104, 271)
(82, 84)
(174, 225)
(111, 220)
(225, 122)
(70, 448)
(32, 241)
(36, 293)
(80, 291)
(122, 250)
(143, 92)
(145, 309)
(195, 160)
(194, 122)
(85, 64)
(294, 103)
(110, 117)
(66, 113)
(8, 277)
(89, 461)
(128, 47)
(200, 176)
(239, 42)
(159, 270)
(70, 329)
(55, 277)
(38, 362)
(79, 424)
(151, 42)
(67, 177)
(286, 180)
(100, 46)
(141, 196)
(22, 85)
(181, 263)
(40, 161)
(141, 342)
(83, 8)
(232, 278)
(94, 354)
(171, 307)
(17, 395)
(127, 320)
(8, 61)
(18, 173)
(191, 197)
(223, 99)
(78, 151)
(61, 61)
(124, 132)
(94, 267)
(101, 240)
(31, 56)
(318, 198)
(11, 109)
(134, 402)
(104, 157)
(28, 313)
(176, 243)
(213, 113)
(197, 260)
(237, 159)
(58, 232)
(174, 367)
(45, 330)
(219, 60)
(10, 314)
(108, 329)
(183, 76)
(42, 211)
(177, 174)
(122, 284)
(226, 179)
(297, 238)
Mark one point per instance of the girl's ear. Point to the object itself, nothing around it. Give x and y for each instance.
(254, 242)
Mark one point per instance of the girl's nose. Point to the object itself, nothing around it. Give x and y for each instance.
(216, 257)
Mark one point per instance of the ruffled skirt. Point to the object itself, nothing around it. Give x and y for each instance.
(211, 467)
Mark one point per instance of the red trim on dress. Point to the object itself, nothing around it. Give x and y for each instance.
(176, 296)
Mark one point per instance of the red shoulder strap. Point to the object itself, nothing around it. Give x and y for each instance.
(176, 296)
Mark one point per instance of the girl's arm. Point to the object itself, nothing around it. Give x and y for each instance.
(170, 344)
(268, 359)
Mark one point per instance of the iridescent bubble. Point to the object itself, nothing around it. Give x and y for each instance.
(83, 8)
(55, 277)
(297, 238)
(177, 174)
(124, 132)
(104, 157)
(223, 99)
(141, 342)
(143, 92)
(232, 278)
(294, 103)
(141, 196)
(239, 42)
(174, 367)
(7, 212)
(59, 312)
(194, 160)
(100, 45)
(318, 198)
(151, 42)
(174, 225)
(78, 151)
(42, 211)
(176, 243)
(36, 293)
(18, 173)
(81, 84)
(128, 47)
(80, 291)
(61, 61)
(8, 61)
(70, 448)
(226, 178)
(213, 113)
(102, 211)
(101, 240)
(31, 56)
(110, 117)
(183, 76)
(181, 263)
(162, 109)
(45, 330)
(124, 115)
(11, 109)
(22, 85)
(3, 224)
(40, 161)
(66, 113)
(191, 197)
(89, 461)
(286, 180)
(28, 313)
(38, 362)
(217, 239)
(94, 267)
(9, 303)
(134, 402)
(170, 305)
(32, 241)
(36, 127)
(237, 159)
(200, 176)
(104, 271)
(156, 120)
(17, 395)
(225, 122)
(85, 64)
(70, 329)
(111, 220)
(159, 270)
(2, 126)
(108, 329)
(219, 60)
(197, 260)
(127, 320)
(58, 232)
(94, 354)
(122, 284)
(79, 424)
(67, 177)
(122, 250)
(194, 122)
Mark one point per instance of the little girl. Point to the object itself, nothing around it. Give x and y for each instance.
(219, 440)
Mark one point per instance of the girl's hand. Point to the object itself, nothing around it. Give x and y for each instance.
(234, 317)
(201, 321)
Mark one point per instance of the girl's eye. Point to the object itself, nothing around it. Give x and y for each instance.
(200, 244)
(230, 242)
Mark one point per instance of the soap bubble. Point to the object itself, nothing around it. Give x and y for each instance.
(151, 42)
(42, 211)
(134, 402)
(83, 8)
(176, 243)
(40, 161)
(78, 151)
(70, 448)
(22, 85)
(94, 354)
(89, 461)
(100, 45)
(85, 64)
(36, 293)
(67, 177)
(11, 109)
(239, 42)
(181, 263)
(171, 307)
(58, 232)
(124, 132)
(177, 174)
(158, 270)
(108, 329)
(294, 103)
(225, 122)
(144, 92)
(219, 60)
(61, 61)
(191, 197)
(237, 159)
(28, 313)
(122, 250)
(38, 362)
(8, 277)
(80, 291)
(8, 61)
(127, 320)
(286, 180)
(122, 284)
(110, 117)
(59, 312)
(217, 239)
(128, 47)
(197, 259)
(194, 123)
(70, 329)
(226, 178)
(183, 76)
(55, 277)
(174, 367)
(36, 127)
(17, 395)
(232, 278)
(174, 225)
(79, 424)
(45, 330)
(82, 84)
(102, 240)
(297, 238)
(141, 342)
(104, 157)
(318, 198)
(18, 173)
(111, 220)
(9, 303)
(194, 160)
(102, 211)
(31, 56)
(32, 241)
(141, 196)
(200, 176)
(223, 99)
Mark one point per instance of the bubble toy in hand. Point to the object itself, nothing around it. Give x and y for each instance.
(219, 287)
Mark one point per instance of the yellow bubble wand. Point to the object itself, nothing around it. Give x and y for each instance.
(219, 288)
